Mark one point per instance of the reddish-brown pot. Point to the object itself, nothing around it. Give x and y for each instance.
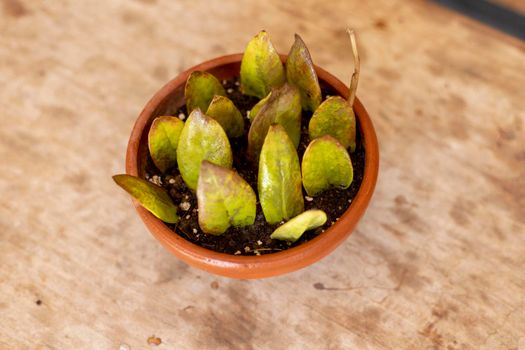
(166, 102)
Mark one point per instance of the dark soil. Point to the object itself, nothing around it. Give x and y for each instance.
(254, 239)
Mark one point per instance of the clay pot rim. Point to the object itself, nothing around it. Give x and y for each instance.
(266, 265)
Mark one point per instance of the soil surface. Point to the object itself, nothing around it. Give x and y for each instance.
(254, 239)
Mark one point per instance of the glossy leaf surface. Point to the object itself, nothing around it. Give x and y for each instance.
(152, 197)
(326, 164)
(163, 138)
(279, 181)
(200, 89)
(261, 67)
(334, 117)
(301, 73)
(224, 111)
(293, 230)
(224, 199)
(284, 108)
(202, 138)
(256, 109)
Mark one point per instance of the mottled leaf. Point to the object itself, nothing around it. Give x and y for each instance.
(294, 229)
(284, 108)
(201, 139)
(258, 106)
(150, 196)
(334, 117)
(200, 89)
(279, 181)
(326, 164)
(224, 111)
(301, 73)
(224, 199)
(261, 67)
(163, 138)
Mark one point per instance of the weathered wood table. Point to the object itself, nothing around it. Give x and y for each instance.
(438, 261)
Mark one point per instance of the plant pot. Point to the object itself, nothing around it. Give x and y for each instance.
(166, 102)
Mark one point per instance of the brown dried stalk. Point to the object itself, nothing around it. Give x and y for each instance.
(355, 75)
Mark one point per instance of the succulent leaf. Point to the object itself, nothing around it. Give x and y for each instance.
(152, 197)
(200, 89)
(284, 108)
(294, 229)
(224, 111)
(202, 138)
(279, 181)
(224, 199)
(326, 164)
(334, 117)
(300, 72)
(258, 106)
(261, 67)
(163, 138)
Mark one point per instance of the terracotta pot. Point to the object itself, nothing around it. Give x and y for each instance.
(166, 102)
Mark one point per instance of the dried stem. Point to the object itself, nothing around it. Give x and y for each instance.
(355, 75)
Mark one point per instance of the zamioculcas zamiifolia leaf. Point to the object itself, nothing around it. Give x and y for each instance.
(284, 108)
(261, 67)
(202, 138)
(279, 181)
(150, 196)
(326, 164)
(224, 111)
(294, 229)
(200, 89)
(334, 117)
(163, 138)
(301, 73)
(224, 199)
(255, 109)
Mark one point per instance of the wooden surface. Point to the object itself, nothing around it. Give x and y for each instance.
(438, 261)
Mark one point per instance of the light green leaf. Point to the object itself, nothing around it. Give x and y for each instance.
(326, 164)
(150, 196)
(163, 138)
(200, 89)
(224, 111)
(201, 139)
(224, 199)
(284, 108)
(261, 67)
(279, 181)
(301, 73)
(258, 106)
(334, 117)
(294, 229)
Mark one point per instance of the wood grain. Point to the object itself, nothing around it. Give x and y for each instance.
(436, 263)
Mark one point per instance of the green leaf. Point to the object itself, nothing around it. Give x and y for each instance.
(301, 73)
(224, 111)
(258, 106)
(200, 89)
(294, 229)
(279, 181)
(163, 138)
(284, 108)
(150, 196)
(201, 139)
(326, 164)
(224, 199)
(261, 67)
(334, 117)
